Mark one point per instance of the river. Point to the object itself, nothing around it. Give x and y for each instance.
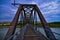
(56, 31)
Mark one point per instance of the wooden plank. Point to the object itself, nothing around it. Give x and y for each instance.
(30, 34)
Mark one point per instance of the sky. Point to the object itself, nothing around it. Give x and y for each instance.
(49, 8)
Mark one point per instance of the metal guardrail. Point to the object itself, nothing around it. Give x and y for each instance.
(23, 30)
(20, 32)
(53, 33)
(56, 33)
(13, 35)
(39, 33)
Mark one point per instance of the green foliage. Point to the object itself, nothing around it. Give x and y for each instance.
(54, 24)
(20, 24)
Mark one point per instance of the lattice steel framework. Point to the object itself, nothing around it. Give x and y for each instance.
(28, 10)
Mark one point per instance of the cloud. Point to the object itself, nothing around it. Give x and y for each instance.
(33, 2)
(51, 7)
(6, 13)
(50, 10)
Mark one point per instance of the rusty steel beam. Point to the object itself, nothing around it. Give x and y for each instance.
(24, 14)
(31, 21)
(24, 17)
(35, 19)
(24, 4)
(12, 27)
(47, 30)
(32, 16)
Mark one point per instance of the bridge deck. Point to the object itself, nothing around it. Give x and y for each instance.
(31, 34)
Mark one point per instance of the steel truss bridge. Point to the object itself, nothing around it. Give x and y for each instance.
(28, 13)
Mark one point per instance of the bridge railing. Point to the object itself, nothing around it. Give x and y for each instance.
(19, 34)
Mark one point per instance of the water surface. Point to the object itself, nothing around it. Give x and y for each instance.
(3, 32)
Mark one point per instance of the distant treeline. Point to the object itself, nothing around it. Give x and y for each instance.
(51, 24)
(54, 24)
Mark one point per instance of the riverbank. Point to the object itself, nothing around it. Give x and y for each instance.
(52, 25)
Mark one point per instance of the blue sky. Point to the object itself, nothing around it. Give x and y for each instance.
(49, 8)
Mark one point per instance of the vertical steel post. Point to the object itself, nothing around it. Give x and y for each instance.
(22, 17)
(31, 16)
(35, 19)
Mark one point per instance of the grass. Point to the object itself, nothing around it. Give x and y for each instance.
(52, 24)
